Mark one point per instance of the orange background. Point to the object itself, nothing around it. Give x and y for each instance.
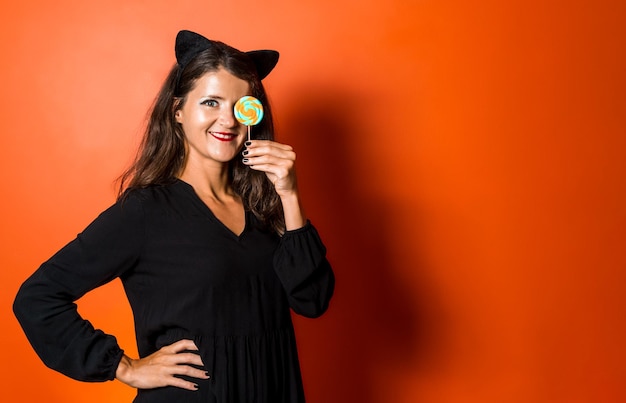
(463, 161)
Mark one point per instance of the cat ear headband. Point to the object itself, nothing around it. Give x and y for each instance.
(190, 44)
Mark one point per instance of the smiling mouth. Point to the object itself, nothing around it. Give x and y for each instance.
(222, 136)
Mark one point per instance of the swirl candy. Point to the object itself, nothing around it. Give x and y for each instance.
(249, 111)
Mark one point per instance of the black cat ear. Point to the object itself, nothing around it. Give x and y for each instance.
(189, 44)
(264, 60)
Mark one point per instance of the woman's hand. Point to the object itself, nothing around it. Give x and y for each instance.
(158, 369)
(278, 161)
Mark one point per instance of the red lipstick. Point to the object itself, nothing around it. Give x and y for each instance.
(223, 136)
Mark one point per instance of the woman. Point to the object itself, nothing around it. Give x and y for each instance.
(212, 248)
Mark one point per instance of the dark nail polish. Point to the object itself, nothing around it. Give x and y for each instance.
(247, 143)
(245, 160)
(195, 386)
(245, 152)
(207, 374)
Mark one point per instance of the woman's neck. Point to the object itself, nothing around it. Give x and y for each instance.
(208, 181)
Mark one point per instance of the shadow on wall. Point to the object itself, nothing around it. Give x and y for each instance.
(377, 324)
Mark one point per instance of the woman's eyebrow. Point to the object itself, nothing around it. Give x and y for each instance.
(213, 96)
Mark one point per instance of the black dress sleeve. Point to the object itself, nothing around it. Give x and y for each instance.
(45, 306)
(307, 277)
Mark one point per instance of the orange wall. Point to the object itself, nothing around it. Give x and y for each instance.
(464, 162)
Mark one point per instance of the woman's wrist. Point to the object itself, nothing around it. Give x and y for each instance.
(294, 215)
(124, 370)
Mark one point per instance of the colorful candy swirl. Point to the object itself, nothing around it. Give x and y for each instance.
(249, 111)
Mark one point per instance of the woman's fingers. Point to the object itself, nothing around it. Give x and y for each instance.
(277, 166)
(181, 345)
(183, 384)
(263, 148)
(255, 144)
(276, 160)
(160, 368)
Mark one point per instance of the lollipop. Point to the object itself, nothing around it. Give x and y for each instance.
(249, 111)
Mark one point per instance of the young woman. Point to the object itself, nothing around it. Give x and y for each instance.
(210, 243)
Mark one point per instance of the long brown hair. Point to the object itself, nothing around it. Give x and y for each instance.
(162, 153)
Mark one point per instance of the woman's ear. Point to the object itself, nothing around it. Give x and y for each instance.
(178, 113)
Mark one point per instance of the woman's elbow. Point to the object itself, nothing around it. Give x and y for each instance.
(316, 303)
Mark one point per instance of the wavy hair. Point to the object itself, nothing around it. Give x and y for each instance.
(162, 153)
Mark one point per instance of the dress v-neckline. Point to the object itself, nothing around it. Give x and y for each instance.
(211, 214)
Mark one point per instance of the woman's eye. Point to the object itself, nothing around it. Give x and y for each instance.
(210, 102)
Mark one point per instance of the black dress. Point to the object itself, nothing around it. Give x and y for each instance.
(186, 275)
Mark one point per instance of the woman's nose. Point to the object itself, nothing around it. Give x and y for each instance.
(227, 118)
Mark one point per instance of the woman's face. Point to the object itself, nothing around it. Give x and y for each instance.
(212, 133)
